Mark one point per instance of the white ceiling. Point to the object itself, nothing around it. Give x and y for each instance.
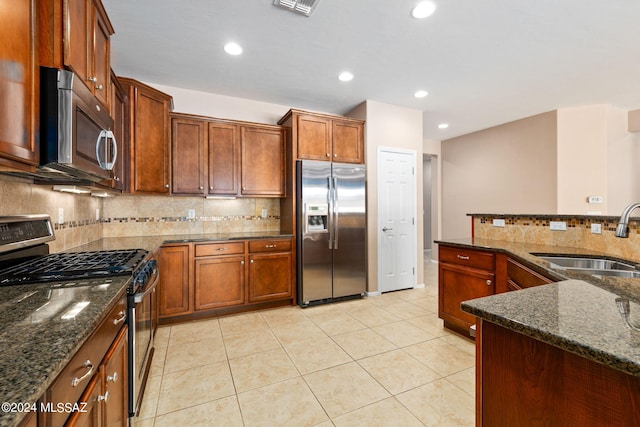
(483, 62)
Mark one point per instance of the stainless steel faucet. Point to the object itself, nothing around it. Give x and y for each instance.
(622, 230)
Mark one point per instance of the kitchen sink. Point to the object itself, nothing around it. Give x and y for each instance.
(593, 266)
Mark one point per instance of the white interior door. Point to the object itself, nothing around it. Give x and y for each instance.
(397, 239)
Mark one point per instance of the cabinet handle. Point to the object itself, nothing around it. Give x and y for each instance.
(269, 246)
(121, 316)
(112, 378)
(99, 87)
(103, 397)
(488, 282)
(77, 380)
(221, 249)
(463, 257)
(117, 178)
(93, 79)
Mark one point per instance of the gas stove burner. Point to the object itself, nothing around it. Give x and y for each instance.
(74, 266)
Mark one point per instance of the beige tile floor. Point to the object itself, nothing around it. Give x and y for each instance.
(378, 361)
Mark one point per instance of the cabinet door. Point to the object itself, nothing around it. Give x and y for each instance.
(313, 137)
(269, 277)
(457, 284)
(219, 282)
(263, 161)
(76, 41)
(100, 53)
(92, 413)
(19, 88)
(150, 141)
(348, 142)
(114, 374)
(187, 156)
(118, 113)
(224, 159)
(175, 286)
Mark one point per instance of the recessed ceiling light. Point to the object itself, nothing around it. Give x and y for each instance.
(345, 76)
(443, 125)
(421, 94)
(423, 9)
(233, 48)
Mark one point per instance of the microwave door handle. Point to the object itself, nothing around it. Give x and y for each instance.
(107, 135)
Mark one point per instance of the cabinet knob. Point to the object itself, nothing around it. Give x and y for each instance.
(241, 262)
(99, 87)
(112, 378)
(103, 397)
(93, 79)
(335, 155)
(251, 261)
(166, 186)
(488, 282)
(211, 188)
(328, 155)
(201, 187)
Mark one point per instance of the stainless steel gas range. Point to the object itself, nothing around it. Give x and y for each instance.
(25, 259)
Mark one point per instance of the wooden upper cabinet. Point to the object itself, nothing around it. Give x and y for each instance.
(187, 156)
(348, 142)
(213, 157)
(147, 133)
(263, 157)
(19, 86)
(119, 113)
(324, 137)
(87, 32)
(314, 138)
(224, 159)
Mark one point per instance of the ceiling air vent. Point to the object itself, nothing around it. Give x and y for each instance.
(305, 7)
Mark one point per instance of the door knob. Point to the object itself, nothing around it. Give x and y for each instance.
(386, 229)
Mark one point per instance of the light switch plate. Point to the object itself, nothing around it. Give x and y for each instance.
(558, 225)
(60, 215)
(498, 222)
(596, 228)
(191, 213)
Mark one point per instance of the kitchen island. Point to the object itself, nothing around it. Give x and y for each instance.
(556, 354)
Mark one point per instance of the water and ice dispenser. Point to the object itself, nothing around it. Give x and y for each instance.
(316, 218)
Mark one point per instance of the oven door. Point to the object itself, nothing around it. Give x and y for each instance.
(141, 308)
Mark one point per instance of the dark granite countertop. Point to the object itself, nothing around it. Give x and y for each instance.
(579, 313)
(37, 342)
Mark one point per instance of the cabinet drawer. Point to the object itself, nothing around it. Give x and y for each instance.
(73, 380)
(468, 257)
(226, 248)
(524, 277)
(281, 245)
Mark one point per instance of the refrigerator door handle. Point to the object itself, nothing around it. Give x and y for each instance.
(335, 213)
(330, 213)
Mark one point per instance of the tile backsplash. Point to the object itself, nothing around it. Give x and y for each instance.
(536, 229)
(87, 218)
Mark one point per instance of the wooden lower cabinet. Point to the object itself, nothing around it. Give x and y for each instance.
(521, 381)
(210, 278)
(269, 276)
(463, 274)
(219, 282)
(520, 276)
(175, 280)
(92, 388)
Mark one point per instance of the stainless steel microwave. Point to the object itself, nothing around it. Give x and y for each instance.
(76, 137)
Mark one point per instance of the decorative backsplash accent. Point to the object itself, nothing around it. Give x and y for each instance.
(536, 229)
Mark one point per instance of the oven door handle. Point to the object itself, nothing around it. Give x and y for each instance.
(137, 298)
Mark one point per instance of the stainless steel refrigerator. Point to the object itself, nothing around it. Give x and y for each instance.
(331, 231)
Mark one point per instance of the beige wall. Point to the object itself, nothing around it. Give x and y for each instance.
(393, 127)
(623, 161)
(582, 159)
(509, 168)
(433, 149)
